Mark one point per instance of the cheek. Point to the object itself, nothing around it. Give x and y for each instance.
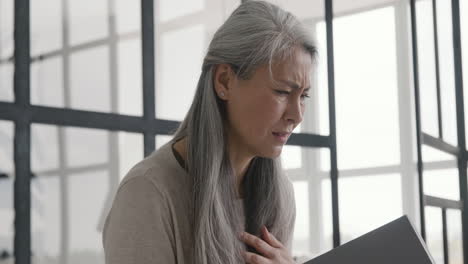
(258, 117)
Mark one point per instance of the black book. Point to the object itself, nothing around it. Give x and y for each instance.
(395, 242)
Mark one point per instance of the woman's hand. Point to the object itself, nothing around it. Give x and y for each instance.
(273, 252)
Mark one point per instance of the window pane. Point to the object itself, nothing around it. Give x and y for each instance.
(366, 96)
(130, 151)
(302, 225)
(431, 154)
(447, 71)
(6, 28)
(303, 9)
(464, 44)
(325, 159)
(47, 82)
(45, 148)
(6, 144)
(178, 69)
(440, 174)
(47, 214)
(442, 183)
(88, 20)
(46, 26)
(327, 215)
(313, 228)
(128, 16)
(291, 157)
(69, 162)
(427, 70)
(169, 9)
(6, 192)
(454, 236)
(46, 218)
(6, 50)
(86, 147)
(322, 80)
(162, 140)
(130, 77)
(90, 76)
(367, 202)
(434, 239)
(86, 215)
(6, 81)
(178, 65)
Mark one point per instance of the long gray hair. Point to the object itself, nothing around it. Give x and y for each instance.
(255, 34)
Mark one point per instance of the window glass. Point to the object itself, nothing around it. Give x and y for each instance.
(447, 71)
(302, 225)
(313, 228)
(130, 86)
(322, 80)
(130, 151)
(47, 82)
(86, 147)
(161, 140)
(87, 194)
(291, 157)
(6, 50)
(454, 236)
(169, 10)
(366, 96)
(426, 65)
(88, 20)
(178, 65)
(68, 162)
(46, 26)
(6, 192)
(90, 80)
(46, 218)
(128, 16)
(442, 183)
(464, 43)
(45, 155)
(434, 237)
(178, 70)
(368, 202)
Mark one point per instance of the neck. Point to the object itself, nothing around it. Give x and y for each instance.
(239, 160)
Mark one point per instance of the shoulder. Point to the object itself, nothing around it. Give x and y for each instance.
(159, 170)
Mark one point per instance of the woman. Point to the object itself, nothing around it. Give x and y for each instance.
(191, 200)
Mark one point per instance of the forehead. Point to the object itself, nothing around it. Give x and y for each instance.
(296, 68)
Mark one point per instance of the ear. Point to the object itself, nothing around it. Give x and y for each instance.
(223, 80)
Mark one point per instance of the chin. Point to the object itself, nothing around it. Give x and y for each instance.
(272, 153)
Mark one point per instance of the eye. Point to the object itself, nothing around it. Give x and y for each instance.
(304, 96)
(282, 92)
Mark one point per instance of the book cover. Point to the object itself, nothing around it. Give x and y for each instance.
(395, 242)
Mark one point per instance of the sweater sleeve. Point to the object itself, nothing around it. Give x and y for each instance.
(138, 228)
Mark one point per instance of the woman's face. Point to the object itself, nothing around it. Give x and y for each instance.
(263, 112)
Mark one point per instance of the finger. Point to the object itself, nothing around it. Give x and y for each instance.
(260, 245)
(252, 258)
(270, 238)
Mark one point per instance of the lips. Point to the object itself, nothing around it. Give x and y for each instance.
(281, 137)
(281, 134)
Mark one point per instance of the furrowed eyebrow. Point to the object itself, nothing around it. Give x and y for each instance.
(293, 85)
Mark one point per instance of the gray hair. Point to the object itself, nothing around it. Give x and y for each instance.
(255, 34)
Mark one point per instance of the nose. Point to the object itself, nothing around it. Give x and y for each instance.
(294, 112)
